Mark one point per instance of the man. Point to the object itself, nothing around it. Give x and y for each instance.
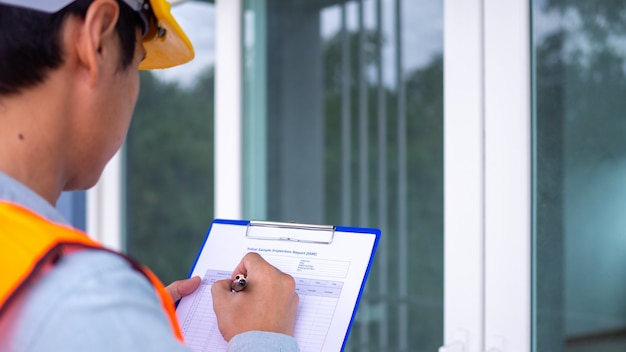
(68, 86)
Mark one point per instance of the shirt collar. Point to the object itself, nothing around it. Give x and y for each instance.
(13, 191)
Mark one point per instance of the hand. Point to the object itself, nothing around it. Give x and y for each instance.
(181, 288)
(269, 302)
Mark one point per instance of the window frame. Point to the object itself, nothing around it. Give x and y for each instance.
(507, 175)
(464, 161)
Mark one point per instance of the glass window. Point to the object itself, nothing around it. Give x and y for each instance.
(343, 124)
(169, 155)
(579, 169)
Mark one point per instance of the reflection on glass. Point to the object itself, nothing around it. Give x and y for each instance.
(351, 95)
(169, 155)
(580, 168)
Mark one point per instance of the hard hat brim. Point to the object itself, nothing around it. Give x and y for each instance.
(171, 47)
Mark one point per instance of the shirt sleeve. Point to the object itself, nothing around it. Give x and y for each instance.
(93, 301)
(260, 341)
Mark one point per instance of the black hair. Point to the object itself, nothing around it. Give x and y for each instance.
(30, 42)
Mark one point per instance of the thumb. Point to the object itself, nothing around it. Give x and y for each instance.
(181, 288)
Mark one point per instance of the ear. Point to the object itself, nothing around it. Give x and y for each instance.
(98, 42)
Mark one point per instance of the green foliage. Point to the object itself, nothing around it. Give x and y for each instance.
(169, 174)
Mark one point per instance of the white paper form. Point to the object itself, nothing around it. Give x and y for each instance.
(329, 279)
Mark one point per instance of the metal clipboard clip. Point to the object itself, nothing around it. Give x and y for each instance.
(286, 231)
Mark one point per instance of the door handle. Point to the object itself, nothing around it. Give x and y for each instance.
(458, 343)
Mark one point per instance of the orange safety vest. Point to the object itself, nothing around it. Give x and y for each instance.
(28, 242)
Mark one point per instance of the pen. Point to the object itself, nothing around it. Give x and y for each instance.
(239, 283)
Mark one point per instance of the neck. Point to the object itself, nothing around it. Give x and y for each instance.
(33, 136)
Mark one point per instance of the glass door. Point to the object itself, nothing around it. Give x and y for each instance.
(343, 124)
(579, 178)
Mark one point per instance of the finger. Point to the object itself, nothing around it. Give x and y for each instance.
(250, 261)
(188, 286)
(222, 285)
(289, 281)
(181, 288)
(220, 288)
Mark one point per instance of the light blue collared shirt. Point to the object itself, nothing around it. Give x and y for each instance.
(94, 301)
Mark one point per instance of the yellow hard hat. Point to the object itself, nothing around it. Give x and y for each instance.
(165, 42)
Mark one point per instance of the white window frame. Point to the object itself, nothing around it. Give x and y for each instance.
(487, 176)
(228, 109)
(507, 175)
(463, 176)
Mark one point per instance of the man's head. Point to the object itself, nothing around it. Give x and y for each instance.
(69, 83)
(30, 29)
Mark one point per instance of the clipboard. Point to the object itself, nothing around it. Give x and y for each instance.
(330, 265)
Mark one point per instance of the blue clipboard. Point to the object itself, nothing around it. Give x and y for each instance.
(330, 264)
